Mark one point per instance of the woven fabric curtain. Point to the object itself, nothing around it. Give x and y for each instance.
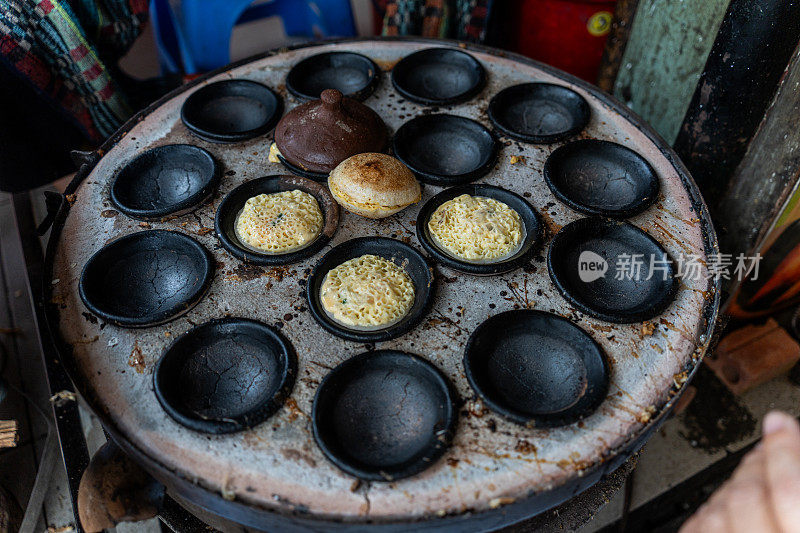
(66, 51)
(464, 20)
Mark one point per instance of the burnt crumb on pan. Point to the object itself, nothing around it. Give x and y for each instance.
(230, 172)
(89, 317)
(109, 213)
(136, 359)
(245, 272)
(524, 447)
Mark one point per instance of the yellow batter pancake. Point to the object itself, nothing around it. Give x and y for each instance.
(279, 223)
(478, 229)
(367, 292)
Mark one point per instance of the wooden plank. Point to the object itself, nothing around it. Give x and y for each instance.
(664, 57)
(616, 43)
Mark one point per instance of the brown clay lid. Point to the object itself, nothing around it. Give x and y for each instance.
(318, 135)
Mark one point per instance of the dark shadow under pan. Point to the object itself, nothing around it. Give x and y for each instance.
(533, 229)
(601, 178)
(438, 76)
(163, 181)
(146, 278)
(354, 75)
(226, 375)
(233, 203)
(401, 254)
(539, 112)
(445, 150)
(231, 110)
(536, 368)
(601, 267)
(384, 415)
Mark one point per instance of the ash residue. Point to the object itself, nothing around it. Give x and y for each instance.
(715, 418)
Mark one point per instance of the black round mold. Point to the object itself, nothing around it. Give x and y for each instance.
(536, 368)
(539, 112)
(445, 150)
(310, 174)
(593, 264)
(601, 178)
(384, 415)
(146, 278)
(352, 74)
(438, 76)
(168, 180)
(233, 203)
(226, 375)
(534, 230)
(413, 262)
(231, 110)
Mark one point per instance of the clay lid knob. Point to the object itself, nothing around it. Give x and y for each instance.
(331, 99)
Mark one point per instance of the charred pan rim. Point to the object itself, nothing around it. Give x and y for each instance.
(572, 231)
(294, 169)
(188, 118)
(225, 219)
(401, 360)
(566, 150)
(463, 97)
(582, 111)
(418, 269)
(530, 218)
(568, 416)
(250, 419)
(355, 57)
(445, 180)
(167, 315)
(290, 516)
(186, 205)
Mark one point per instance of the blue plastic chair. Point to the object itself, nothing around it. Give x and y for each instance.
(197, 37)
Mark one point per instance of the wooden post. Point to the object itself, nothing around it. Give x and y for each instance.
(754, 44)
(664, 57)
(768, 173)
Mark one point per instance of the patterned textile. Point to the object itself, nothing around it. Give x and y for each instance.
(456, 19)
(66, 50)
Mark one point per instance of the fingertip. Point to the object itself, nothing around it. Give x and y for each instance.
(777, 421)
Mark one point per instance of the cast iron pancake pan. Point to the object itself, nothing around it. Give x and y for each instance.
(413, 262)
(231, 110)
(233, 203)
(536, 368)
(354, 75)
(539, 112)
(438, 76)
(226, 375)
(601, 178)
(445, 150)
(384, 415)
(167, 180)
(530, 218)
(316, 176)
(601, 267)
(146, 278)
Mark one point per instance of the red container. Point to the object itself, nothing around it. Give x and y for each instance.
(567, 34)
